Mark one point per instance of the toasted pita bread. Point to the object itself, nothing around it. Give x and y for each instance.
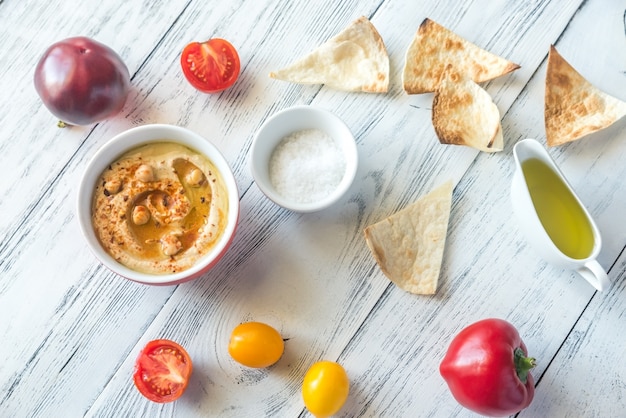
(434, 48)
(408, 245)
(354, 60)
(464, 114)
(573, 106)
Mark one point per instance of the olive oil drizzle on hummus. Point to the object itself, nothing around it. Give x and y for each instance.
(189, 205)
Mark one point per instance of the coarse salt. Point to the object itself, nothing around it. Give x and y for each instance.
(306, 166)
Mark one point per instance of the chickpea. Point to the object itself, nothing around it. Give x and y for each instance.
(141, 215)
(195, 177)
(170, 244)
(144, 173)
(112, 186)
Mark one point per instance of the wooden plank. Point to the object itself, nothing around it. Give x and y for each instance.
(584, 378)
(490, 271)
(309, 275)
(66, 329)
(287, 281)
(49, 283)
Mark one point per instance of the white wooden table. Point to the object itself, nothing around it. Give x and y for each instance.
(70, 329)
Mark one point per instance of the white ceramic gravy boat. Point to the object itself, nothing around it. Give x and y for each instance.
(551, 215)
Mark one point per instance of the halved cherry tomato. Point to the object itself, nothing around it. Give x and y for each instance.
(325, 388)
(255, 344)
(210, 66)
(162, 371)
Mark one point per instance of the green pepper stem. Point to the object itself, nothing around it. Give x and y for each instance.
(523, 364)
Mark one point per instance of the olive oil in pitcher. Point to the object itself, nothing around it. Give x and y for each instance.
(561, 215)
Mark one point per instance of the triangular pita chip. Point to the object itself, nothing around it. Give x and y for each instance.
(408, 245)
(434, 47)
(354, 60)
(573, 106)
(464, 114)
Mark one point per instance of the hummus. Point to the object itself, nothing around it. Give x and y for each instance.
(159, 208)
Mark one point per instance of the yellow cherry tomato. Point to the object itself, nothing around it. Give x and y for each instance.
(325, 388)
(255, 344)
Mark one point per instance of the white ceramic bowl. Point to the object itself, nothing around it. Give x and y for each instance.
(291, 120)
(133, 138)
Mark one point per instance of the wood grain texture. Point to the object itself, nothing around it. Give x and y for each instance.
(71, 329)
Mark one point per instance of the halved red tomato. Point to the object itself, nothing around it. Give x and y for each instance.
(162, 371)
(210, 66)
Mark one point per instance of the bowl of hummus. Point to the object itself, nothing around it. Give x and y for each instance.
(158, 204)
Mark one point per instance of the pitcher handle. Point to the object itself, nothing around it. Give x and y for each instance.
(593, 272)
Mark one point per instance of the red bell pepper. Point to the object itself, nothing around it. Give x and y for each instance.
(487, 369)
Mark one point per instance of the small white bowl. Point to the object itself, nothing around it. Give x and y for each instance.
(127, 141)
(289, 121)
